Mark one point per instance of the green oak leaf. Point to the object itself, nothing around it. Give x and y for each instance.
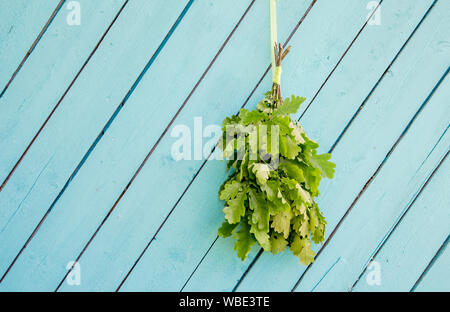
(288, 148)
(227, 229)
(289, 105)
(322, 163)
(313, 176)
(292, 168)
(298, 132)
(230, 190)
(271, 189)
(260, 215)
(317, 224)
(274, 173)
(301, 225)
(251, 117)
(261, 236)
(244, 240)
(235, 208)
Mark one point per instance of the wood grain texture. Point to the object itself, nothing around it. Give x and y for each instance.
(43, 83)
(341, 96)
(412, 246)
(22, 25)
(85, 135)
(79, 120)
(358, 162)
(391, 193)
(437, 276)
(239, 53)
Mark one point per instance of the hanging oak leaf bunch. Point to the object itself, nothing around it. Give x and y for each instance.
(274, 178)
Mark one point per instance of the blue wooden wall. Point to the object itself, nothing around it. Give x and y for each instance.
(87, 111)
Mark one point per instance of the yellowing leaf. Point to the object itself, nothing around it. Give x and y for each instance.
(301, 225)
(297, 132)
(300, 208)
(317, 224)
(304, 195)
(261, 172)
(278, 243)
(281, 223)
(301, 247)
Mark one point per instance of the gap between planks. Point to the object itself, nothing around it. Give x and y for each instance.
(37, 134)
(183, 13)
(380, 246)
(374, 175)
(348, 124)
(61, 99)
(207, 158)
(432, 262)
(315, 96)
(115, 114)
(383, 75)
(33, 46)
(164, 132)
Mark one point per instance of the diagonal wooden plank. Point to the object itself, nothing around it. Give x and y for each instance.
(200, 209)
(23, 23)
(392, 202)
(76, 124)
(194, 30)
(47, 77)
(427, 69)
(436, 275)
(240, 54)
(343, 191)
(411, 245)
(374, 214)
(340, 97)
